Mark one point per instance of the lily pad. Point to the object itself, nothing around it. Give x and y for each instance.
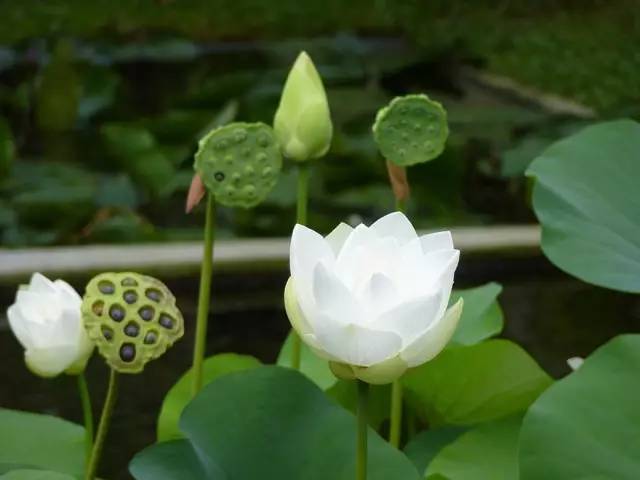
(489, 451)
(180, 394)
(586, 198)
(466, 385)
(268, 423)
(587, 426)
(34, 441)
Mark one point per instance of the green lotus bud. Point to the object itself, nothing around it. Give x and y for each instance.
(132, 319)
(303, 122)
(411, 129)
(239, 163)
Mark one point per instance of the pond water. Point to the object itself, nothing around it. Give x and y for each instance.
(552, 315)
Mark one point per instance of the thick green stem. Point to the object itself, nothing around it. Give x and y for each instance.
(301, 218)
(302, 193)
(87, 413)
(396, 413)
(204, 295)
(361, 439)
(103, 427)
(396, 388)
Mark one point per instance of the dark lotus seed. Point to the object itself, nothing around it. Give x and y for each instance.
(98, 308)
(219, 176)
(129, 282)
(132, 329)
(107, 333)
(106, 287)
(166, 321)
(130, 297)
(154, 295)
(117, 313)
(146, 313)
(150, 338)
(127, 352)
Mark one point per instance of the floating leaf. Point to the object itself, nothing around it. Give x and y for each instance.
(465, 385)
(425, 446)
(181, 394)
(587, 425)
(34, 441)
(481, 316)
(489, 451)
(585, 196)
(269, 423)
(312, 366)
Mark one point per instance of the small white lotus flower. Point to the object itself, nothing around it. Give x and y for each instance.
(302, 122)
(46, 320)
(575, 363)
(373, 300)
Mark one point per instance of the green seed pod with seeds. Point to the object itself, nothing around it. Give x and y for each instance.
(411, 129)
(132, 319)
(239, 163)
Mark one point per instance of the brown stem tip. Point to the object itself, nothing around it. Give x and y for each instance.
(196, 193)
(398, 180)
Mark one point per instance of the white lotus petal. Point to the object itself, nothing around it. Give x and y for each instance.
(434, 339)
(338, 236)
(409, 319)
(49, 362)
(383, 372)
(355, 344)
(41, 284)
(307, 249)
(333, 298)
(294, 312)
(67, 293)
(19, 326)
(436, 241)
(395, 225)
(380, 293)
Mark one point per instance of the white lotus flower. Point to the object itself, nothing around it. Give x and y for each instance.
(373, 300)
(46, 320)
(575, 363)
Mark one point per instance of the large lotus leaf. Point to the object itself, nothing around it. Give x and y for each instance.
(34, 441)
(481, 316)
(489, 451)
(180, 394)
(315, 368)
(587, 426)
(28, 474)
(424, 447)
(586, 198)
(465, 385)
(268, 423)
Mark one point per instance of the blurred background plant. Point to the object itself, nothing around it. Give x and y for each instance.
(102, 103)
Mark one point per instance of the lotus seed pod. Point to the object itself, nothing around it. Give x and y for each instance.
(239, 163)
(411, 129)
(132, 319)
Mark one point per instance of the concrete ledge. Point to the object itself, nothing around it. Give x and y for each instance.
(184, 258)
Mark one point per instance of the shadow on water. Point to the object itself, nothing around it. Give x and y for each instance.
(550, 314)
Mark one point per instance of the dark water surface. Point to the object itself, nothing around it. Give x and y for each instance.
(549, 313)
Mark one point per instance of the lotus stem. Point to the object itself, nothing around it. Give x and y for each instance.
(103, 427)
(87, 413)
(301, 218)
(204, 295)
(361, 439)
